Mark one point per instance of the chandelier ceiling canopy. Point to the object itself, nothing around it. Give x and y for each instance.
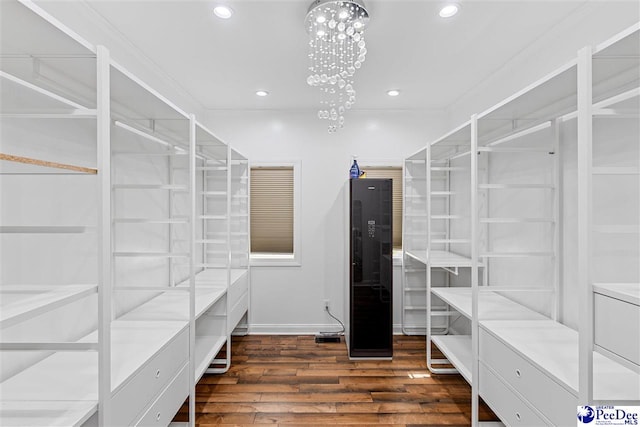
(337, 50)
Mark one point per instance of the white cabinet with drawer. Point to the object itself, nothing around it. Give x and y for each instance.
(143, 388)
(165, 407)
(535, 386)
(511, 409)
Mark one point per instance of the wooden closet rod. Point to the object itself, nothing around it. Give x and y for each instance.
(37, 162)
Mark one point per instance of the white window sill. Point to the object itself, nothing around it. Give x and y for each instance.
(273, 260)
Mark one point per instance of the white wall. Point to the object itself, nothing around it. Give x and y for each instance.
(289, 299)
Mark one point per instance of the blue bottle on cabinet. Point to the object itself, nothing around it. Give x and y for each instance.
(354, 172)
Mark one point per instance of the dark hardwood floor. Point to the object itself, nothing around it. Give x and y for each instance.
(292, 380)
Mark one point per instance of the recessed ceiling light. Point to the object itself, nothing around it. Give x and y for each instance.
(393, 92)
(262, 93)
(449, 10)
(320, 19)
(223, 12)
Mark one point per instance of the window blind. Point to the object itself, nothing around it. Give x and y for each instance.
(395, 173)
(272, 209)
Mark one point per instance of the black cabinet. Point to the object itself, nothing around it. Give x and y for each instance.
(371, 260)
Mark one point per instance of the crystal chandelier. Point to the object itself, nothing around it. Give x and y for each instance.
(336, 50)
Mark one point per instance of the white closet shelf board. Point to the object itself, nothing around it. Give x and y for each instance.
(209, 145)
(206, 349)
(451, 143)
(442, 258)
(553, 348)
(457, 349)
(20, 303)
(144, 104)
(616, 64)
(419, 157)
(46, 229)
(44, 38)
(133, 344)
(46, 414)
(175, 305)
(20, 96)
(491, 305)
(217, 277)
(62, 54)
(628, 292)
(552, 96)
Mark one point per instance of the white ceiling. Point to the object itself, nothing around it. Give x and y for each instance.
(433, 61)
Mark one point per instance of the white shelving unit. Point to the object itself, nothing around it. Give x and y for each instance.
(448, 256)
(48, 180)
(414, 241)
(151, 211)
(514, 346)
(609, 206)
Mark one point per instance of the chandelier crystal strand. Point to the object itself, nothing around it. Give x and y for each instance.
(337, 50)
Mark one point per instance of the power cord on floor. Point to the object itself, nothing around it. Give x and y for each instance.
(337, 320)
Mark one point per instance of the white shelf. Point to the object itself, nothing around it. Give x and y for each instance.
(46, 413)
(24, 96)
(457, 349)
(491, 305)
(150, 187)
(45, 229)
(150, 221)
(20, 303)
(218, 276)
(552, 96)
(69, 380)
(449, 259)
(441, 258)
(628, 292)
(553, 348)
(175, 305)
(206, 349)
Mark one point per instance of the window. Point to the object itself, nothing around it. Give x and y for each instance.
(395, 173)
(274, 214)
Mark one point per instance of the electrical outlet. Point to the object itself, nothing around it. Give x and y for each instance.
(326, 305)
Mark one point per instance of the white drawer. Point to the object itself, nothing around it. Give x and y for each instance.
(617, 327)
(166, 406)
(142, 388)
(546, 395)
(511, 410)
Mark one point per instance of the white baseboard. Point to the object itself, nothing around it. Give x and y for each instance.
(301, 329)
(289, 329)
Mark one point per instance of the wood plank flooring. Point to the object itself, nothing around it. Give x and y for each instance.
(291, 380)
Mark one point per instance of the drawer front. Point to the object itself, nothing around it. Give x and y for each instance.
(511, 410)
(166, 406)
(617, 326)
(546, 395)
(238, 290)
(140, 390)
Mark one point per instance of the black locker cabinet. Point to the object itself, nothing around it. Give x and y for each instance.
(371, 261)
